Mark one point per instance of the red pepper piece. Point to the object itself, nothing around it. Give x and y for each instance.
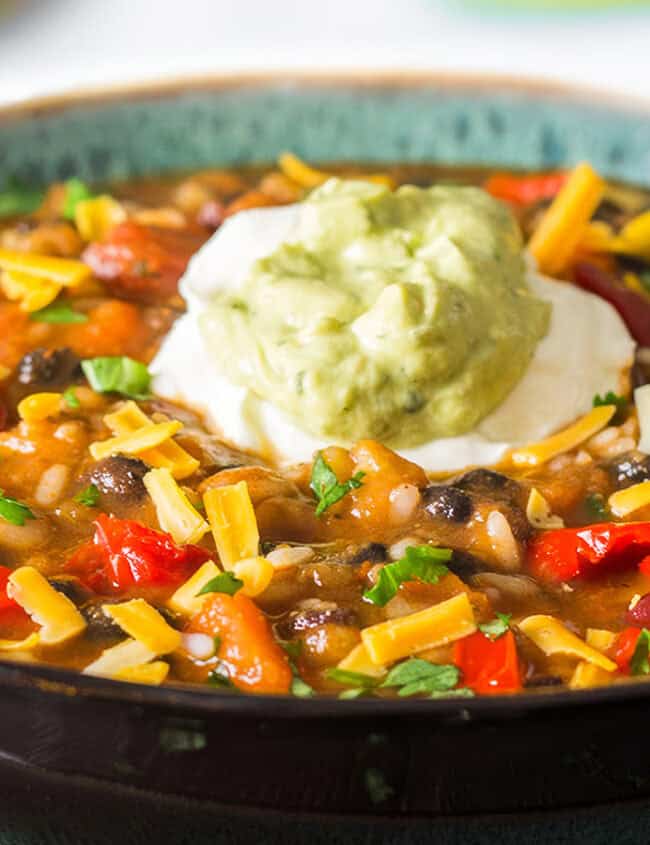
(633, 307)
(525, 189)
(5, 602)
(489, 666)
(143, 262)
(571, 552)
(624, 648)
(125, 554)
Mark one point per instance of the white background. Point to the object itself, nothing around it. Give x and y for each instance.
(57, 45)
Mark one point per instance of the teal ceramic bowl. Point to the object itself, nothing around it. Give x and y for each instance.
(98, 749)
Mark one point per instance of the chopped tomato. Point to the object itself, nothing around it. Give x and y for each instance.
(248, 651)
(525, 189)
(570, 552)
(624, 648)
(5, 602)
(489, 666)
(125, 554)
(143, 262)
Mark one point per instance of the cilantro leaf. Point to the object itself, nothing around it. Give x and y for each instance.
(639, 664)
(13, 511)
(75, 191)
(218, 677)
(17, 200)
(300, 688)
(351, 679)
(118, 374)
(496, 627)
(596, 507)
(224, 582)
(611, 398)
(326, 486)
(423, 562)
(70, 399)
(416, 676)
(89, 496)
(58, 312)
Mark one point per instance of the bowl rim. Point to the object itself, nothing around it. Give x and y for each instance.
(368, 79)
(57, 681)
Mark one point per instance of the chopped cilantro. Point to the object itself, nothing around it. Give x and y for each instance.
(300, 688)
(596, 507)
(639, 664)
(416, 676)
(13, 511)
(423, 562)
(75, 191)
(224, 582)
(326, 486)
(17, 200)
(70, 399)
(219, 678)
(89, 496)
(359, 683)
(611, 398)
(59, 312)
(496, 627)
(118, 374)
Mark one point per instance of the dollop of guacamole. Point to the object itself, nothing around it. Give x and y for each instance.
(402, 316)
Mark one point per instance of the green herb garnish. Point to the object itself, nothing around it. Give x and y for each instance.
(300, 688)
(496, 627)
(422, 562)
(75, 191)
(118, 374)
(611, 398)
(59, 312)
(224, 582)
(13, 511)
(219, 678)
(639, 664)
(416, 676)
(16, 200)
(326, 486)
(70, 399)
(89, 496)
(596, 507)
(359, 683)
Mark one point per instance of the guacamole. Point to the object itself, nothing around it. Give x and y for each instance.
(402, 316)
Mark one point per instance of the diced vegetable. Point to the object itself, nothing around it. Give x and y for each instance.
(552, 637)
(571, 552)
(40, 406)
(525, 189)
(565, 440)
(95, 217)
(563, 225)
(233, 522)
(424, 563)
(125, 554)
(642, 402)
(129, 418)
(600, 638)
(65, 272)
(539, 512)
(438, 625)
(631, 651)
(57, 616)
(586, 675)
(188, 598)
(250, 656)
(489, 666)
(119, 658)
(118, 374)
(6, 603)
(143, 623)
(146, 438)
(175, 514)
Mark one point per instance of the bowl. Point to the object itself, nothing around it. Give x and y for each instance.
(403, 761)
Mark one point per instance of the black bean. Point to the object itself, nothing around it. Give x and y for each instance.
(312, 617)
(120, 476)
(48, 367)
(626, 470)
(100, 625)
(71, 587)
(448, 502)
(372, 552)
(487, 481)
(464, 564)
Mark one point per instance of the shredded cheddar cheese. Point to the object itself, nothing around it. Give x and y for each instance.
(438, 625)
(233, 522)
(358, 660)
(552, 637)
(136, 443)
(309, 177)
(30, 642)
(140, 620)
(539, 453)
(146, 673)
(124, 655)
(57, 616)
(600, 639)
(624, 502)
(40, 406)
(586, 675)
(539, 513)
(256, 573)
(186, 599)
(175, 514)
(95, 217)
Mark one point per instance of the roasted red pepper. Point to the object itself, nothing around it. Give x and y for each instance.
(125, 554)
(571, 552)
(525, 189)
(633, 307)
(5, 602)
(143, 262)
(489, 666)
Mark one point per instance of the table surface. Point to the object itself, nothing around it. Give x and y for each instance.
(58, 45)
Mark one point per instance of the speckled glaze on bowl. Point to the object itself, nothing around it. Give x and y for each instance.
(371, 759)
